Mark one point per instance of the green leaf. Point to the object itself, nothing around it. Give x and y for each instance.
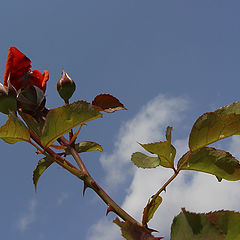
(86, 146)
(14, 130)
(32, 123)
(214, 126)
(150, 209)
(214, 161)
(169, 134)
(42, 165)
(165, 150)
(220, 225)
(143, 161)
(61, 120)
(131, 231)
(231, 108)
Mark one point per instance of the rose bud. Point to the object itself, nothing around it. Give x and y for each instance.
(65, 86)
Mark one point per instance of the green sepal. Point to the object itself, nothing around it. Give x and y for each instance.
(8, 103)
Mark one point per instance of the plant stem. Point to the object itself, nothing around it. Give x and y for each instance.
(71, 132)
(90, 182)
(163, 188)
(57, 158)
(84, 175)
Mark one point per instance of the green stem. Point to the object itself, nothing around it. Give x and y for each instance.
(71, 132)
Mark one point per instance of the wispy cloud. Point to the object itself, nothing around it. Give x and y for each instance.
(28, 217)
(197, 192)
(148, 125)
(104, 230)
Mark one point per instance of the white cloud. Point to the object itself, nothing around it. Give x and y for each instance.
(104, 230)
(196, 192)
(203, 193)
(148, 125)
(235, 146)
(28, 217)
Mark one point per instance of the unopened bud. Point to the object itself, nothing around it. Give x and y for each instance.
(8, 100)
(65, 86)
(31, 100)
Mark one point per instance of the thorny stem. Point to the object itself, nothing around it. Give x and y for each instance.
(90, 182)
(58, 159)
(84, 175)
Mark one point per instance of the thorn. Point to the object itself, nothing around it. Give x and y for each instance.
(94, 184)
(152, 230)
(109, 209)
(84, 188)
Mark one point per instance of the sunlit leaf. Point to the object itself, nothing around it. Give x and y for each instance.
(61, 120)
(214, 126)
(86, 146)
(210, 160)
(220, 225)
(150, 209)
(169, 134)
(165, 151)
(143, 161)
(42, 165)
(132, 231)
(14, 130)
(231, 108)
(107, 103)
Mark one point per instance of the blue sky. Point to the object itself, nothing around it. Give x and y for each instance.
(167, 61)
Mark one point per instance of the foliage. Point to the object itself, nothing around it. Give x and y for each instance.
(30, 121)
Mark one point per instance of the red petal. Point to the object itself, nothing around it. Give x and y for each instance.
(17, 64)
(19, 68)
(38, 79)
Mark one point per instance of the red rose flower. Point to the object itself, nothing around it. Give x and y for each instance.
(21, 76)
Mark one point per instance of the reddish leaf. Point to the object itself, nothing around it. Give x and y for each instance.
(107, 103)
(131, 231)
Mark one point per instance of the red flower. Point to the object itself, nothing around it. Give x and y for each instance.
(21, 76)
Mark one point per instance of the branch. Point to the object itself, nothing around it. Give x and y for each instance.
(90, 182)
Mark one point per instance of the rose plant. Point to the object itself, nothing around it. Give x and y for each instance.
(22, 98)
